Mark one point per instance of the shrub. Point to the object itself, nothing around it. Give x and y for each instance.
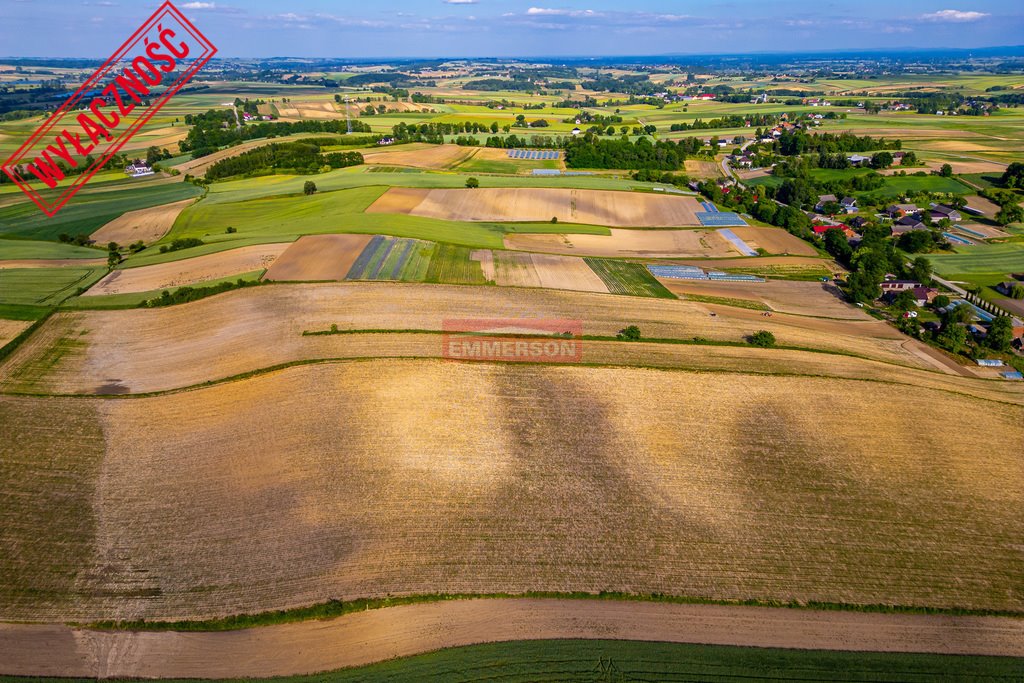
(472, 183)
(309, 187)
(763, 339)
(630, 333)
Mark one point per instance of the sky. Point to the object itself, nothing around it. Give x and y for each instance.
(514, 28)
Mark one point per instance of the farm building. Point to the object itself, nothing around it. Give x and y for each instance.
(940, 211)
(138, 169)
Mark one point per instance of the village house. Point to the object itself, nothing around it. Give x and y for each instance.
(858, 160)
(849, 204)
(896, 286)
(825, 199)
(900, 210)
(138, 169)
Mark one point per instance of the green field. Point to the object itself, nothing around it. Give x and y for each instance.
(88, 210)
(980, 260)
(36, 249)
(624, 661)
(452, 264)
(623, 277)
(388, 258)
(45, 286)
(894, 185)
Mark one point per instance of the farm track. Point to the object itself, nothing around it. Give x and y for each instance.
(377, 635)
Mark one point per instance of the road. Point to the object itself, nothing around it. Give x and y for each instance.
(725, 163)
(375, 635)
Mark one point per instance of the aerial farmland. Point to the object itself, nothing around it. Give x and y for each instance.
(236, 442)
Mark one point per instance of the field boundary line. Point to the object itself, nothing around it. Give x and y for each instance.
(54, 650)
(639, 366)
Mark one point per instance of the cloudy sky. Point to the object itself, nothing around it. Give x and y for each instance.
(500, 28)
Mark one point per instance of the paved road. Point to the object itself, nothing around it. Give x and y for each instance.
(375, 635)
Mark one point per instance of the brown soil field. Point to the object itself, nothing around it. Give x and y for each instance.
(987, 230)
(52, 263)
(9, 329)
(318, 257)
(382, 634)
(518, 269)
(420, 155)
(974, 201)
(147, 225)
(801, 298)
(750, 175)
(510, 478)
(188, 271)
(628, 243)
(592, 207)
(143, 350)
(774, 241)
(1012, 305)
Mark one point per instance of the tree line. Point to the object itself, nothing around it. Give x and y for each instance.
(590, 152)
(209, 132)
(295, 157)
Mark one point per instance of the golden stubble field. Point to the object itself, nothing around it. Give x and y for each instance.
(420, 155)
(143, 350)
(591, 207)
(189, 271)
(147, 225)
(412, 476)
(624, 243)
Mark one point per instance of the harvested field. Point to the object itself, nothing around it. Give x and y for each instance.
(774, 241)
(973, 166)
(145, 350)
(517, 269)
(628, 243)
(318, 257)
(315, 647)
(52, 263)
(420, 155)
(147, 225)
(590, 207)
(317, 110)
(188, 271)
(625, 487)
(703, 169)
(9, 329)
(801, 298)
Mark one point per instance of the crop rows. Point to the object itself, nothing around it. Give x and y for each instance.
(624, 277)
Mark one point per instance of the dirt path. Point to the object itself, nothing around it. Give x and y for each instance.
(375, 635)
